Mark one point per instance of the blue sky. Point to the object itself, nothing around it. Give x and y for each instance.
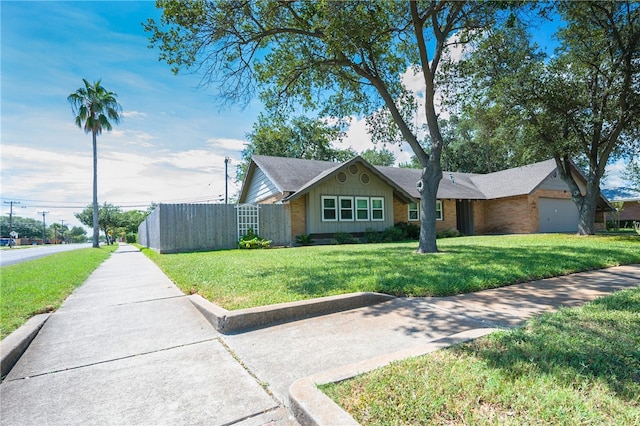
(171, 144)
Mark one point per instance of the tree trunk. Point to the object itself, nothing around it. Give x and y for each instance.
(428, 188)
(96, 229)
(587, 210)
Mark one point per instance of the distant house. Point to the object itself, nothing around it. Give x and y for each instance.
(327, 197)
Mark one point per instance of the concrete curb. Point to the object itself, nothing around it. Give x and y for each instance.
(13, 346)
(228, 322)
(310, 406)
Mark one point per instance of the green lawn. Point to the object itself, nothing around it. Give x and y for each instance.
(236, 279)
(573, 367)
(41, 285)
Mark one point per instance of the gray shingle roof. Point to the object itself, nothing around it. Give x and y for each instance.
(518, 181)
(291, 175)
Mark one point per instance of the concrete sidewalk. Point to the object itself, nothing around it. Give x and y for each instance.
(129, 348)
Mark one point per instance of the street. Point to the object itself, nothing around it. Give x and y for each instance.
(17, 255)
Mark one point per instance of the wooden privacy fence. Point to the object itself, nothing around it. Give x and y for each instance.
(173, 228)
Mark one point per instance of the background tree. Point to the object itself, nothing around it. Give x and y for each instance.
(300, 137)
(383, 157)
(24, 226)
(631, 173)
(110, 218)
(342, 58)
(77, 234)
(584, 103)
(95, 109)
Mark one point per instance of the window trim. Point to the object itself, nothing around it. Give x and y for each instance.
(439, 211)
(381, 209)
(335, 208)
(416, 210)
(341, 209)
(362, 209)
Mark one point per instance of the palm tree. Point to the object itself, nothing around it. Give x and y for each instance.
(95, 109)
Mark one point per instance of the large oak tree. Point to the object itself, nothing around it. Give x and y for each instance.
(583, 104)
(341, 58)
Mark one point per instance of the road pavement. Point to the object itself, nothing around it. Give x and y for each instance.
(18, 255)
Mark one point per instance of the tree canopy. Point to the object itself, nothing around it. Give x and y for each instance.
(300, 137)
(582, 103)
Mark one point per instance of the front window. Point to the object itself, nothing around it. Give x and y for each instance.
(414, 211)
(439, 212)
(346, 208)
(377, 208)
(362, 208)
(329, 209)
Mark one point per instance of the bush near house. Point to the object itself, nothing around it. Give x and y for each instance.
(251, 240)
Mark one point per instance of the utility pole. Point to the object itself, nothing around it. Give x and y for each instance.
(226, 179)
(11, 203)
(44, 225)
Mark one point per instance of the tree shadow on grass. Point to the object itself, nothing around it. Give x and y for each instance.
(458, 269)
(600, 341)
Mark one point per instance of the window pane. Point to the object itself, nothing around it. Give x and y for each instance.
(377, 208)
(329, 203)
(329, 208)
(329, 214)
(345, 203)
(363, 214)
(362, 203)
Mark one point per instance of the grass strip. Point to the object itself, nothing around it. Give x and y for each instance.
(573, 367)
(41, 285)
(236, 279)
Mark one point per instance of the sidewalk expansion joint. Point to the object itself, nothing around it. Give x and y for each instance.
(235, 356)
(251, 416)
(151, 300)
(106, 361)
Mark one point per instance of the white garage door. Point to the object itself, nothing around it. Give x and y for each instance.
(558, 215)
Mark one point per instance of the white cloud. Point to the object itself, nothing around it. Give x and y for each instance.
(227, 144)
(613, 173)
(134, 114)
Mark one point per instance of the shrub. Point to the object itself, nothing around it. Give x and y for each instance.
(304, 240)
(342, 238)
(372, 236)
(132, 238)
(251, 240)
(392, 234)
(411, 230)
(448, 233)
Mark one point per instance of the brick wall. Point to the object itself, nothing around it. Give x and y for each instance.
(630, 211)
(400, 211)
(511, 215)
(450, 219)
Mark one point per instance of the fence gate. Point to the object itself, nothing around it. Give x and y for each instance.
(248, 218)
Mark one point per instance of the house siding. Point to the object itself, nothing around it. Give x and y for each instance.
(352, 187)
(261, 190)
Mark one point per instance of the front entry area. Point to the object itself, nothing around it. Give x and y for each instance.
(464, 217)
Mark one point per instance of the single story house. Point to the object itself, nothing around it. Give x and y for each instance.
(353, 196)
